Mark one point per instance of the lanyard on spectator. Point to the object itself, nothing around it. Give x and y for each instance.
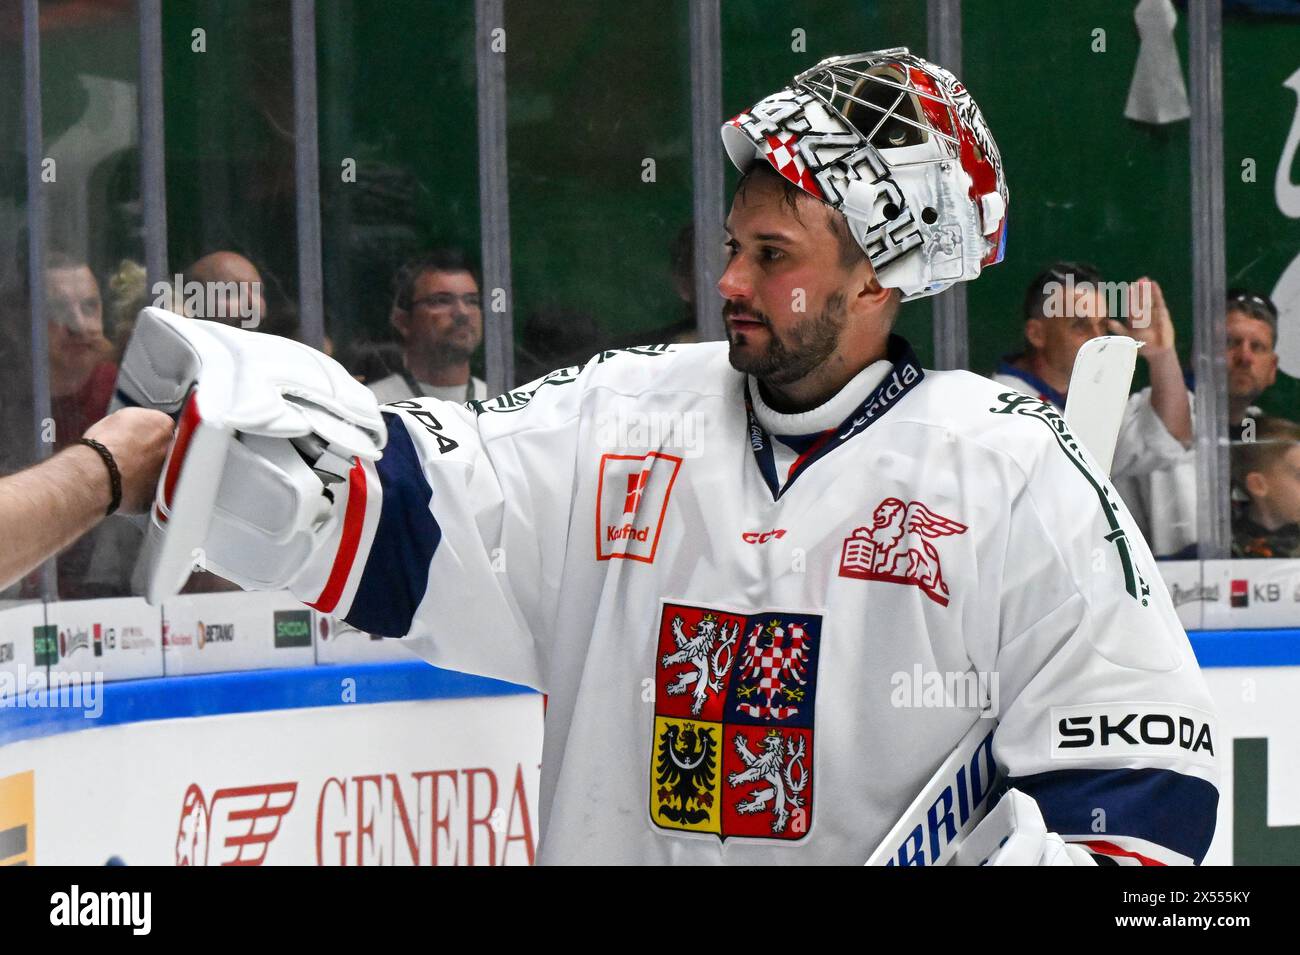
(417, 392)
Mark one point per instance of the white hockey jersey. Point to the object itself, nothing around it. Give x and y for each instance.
(1143, 444)
(755, 648)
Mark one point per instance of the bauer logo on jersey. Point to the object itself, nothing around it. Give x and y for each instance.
(631, 499)
(896, 547)
(735, 695)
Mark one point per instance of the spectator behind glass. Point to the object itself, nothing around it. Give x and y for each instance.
(82, 377)
(82, 372)
(369, 362)
(1267, 471)
(128, 293)
(1057, 327)
(221, 286)
(18, 433)
(554, 338)
(224, 287)
(438, 317)
(1163, 501)
(1055, 330)
(1156, 430)
(1252, 355)
(681, 256)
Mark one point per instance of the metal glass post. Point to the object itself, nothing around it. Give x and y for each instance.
(306, 160)
(494, 194)
(951, 332)
(153, 170)
(40, 346)
(706, 164)
(1209, 279)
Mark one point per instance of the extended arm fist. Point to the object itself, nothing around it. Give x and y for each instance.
(138, 439)
(1149, 319)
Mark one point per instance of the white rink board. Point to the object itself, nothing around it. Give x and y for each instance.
(1252, 703)
(338, 642)
(464, 771)
(119, 637)
(19, 622)
(212, 633)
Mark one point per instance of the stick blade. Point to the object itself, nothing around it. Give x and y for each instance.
(1099, 389)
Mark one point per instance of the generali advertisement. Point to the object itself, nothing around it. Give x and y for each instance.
(432, 782)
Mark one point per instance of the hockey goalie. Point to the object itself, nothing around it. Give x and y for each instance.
(721, 614)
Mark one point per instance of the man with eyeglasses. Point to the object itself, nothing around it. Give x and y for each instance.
(438, 315)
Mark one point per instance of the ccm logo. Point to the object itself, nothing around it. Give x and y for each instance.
(1132, 730)
(754, 537)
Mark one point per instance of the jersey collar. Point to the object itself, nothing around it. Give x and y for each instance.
(889, 380)
(1045, 391)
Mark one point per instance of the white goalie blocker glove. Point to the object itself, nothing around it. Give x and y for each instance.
(266, 427)
(1014, 833)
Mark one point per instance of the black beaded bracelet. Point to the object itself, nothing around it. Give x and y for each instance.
(114, 475)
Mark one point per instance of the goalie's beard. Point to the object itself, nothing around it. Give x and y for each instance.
(805, 346)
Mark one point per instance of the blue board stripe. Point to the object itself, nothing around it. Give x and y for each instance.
(252, 691)
(165, 698)
(1246, 648)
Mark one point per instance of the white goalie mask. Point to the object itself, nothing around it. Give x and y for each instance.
(897, 145)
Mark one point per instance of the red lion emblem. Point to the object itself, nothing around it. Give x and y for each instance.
(896, 547)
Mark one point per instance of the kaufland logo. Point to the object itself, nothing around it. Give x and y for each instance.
(636, 485)
(635, 488)
(631, 501)
(171, 637)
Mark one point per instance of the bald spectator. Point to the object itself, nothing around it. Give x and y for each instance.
(438, 316)
(50, 505)
(224, 287)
